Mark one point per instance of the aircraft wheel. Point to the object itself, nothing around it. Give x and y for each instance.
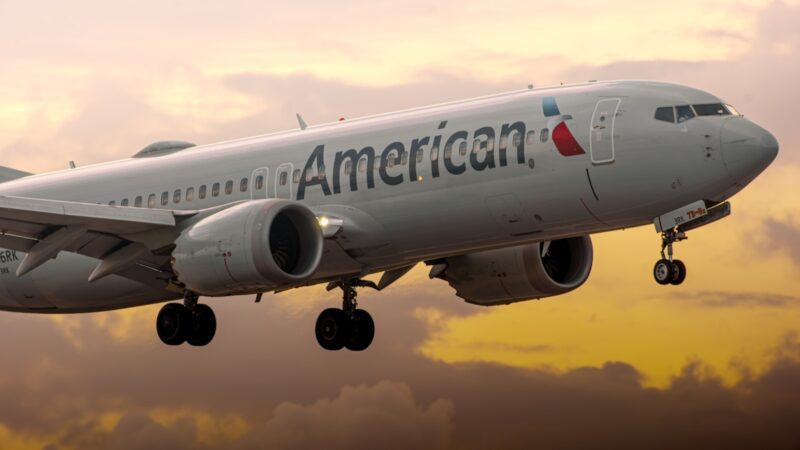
(678, 272)
(203, 326)
(663, 271)
(172, 323)
(332, 329)
(362, 330)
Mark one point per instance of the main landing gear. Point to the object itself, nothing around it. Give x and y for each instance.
(188, 322)
(668, 270)
(348, 327)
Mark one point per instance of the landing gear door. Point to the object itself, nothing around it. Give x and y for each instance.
(601, 133)
(259, 183)
(283, 181)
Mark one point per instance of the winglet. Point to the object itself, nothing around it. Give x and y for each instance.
(303, 124)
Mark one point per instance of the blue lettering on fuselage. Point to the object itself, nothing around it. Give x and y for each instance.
(482, 156)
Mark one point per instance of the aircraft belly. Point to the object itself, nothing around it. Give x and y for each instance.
(61, 285)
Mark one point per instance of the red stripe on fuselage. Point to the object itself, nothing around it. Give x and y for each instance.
(565, 141)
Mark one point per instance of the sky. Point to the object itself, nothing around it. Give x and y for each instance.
(619, 363)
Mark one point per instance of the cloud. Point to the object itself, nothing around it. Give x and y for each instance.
(485, 406)
(783, 237)
(735, 299)
(363, 417)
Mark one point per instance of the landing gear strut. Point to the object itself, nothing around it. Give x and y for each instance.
(189, 322)
(349, 327)
(668, 270)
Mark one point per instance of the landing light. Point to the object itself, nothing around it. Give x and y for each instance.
(323, 221)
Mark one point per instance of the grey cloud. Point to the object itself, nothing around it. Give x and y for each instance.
(734, 299)
(382, 416)
(134, 431)
(783, 237)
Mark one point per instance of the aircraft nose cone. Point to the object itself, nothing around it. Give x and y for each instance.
(747, 149)
(769, 146)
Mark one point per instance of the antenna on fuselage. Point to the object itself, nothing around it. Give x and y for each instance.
(303, 124)
(72, 164)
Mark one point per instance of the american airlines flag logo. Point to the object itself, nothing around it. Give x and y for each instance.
(565, 142)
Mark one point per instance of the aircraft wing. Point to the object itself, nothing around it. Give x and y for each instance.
(9, 174)
(125, 240)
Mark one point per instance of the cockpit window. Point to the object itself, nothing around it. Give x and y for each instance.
(733, 110)
(666, 114)
(711, 109)
(684, 113)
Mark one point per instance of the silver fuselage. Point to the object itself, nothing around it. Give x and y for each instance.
(634, 168)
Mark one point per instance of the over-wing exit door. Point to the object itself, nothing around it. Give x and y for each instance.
(601, 134)
(283, 181)
(259, 189)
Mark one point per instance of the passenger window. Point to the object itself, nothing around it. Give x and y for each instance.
(391, 161)
(296, 176)
(348, 167)
(229, 187)
(711, 109)
(504, 142)
(176, 197)
(284, 178)
(420, 156)
(362, 165)
(490, 144)
(259, 182)
(435, 154)
(308, 176)
(164, 198)
(151, 201)
(243, 184)
(215, 190)
(665, 114)
(404, 159)
(684, 113)
(476, 146)
(124, 202)
(321, 172)
(202, 192)
(531, 137)
(517, 140)
(189, 194)
(544, 135)
(462, 148)
(138, 202)
(112, 203)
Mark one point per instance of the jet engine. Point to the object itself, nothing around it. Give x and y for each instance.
(519, 273)
(254, 246)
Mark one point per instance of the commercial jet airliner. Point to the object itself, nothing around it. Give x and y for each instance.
(498, 195)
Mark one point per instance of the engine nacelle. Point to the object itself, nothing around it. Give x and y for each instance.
(255, 246)
(520, 273)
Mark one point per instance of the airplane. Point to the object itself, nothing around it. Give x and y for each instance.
(498, 195)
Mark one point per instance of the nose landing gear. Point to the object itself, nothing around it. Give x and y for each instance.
(349, 327)
(668, 270)
(189, 322)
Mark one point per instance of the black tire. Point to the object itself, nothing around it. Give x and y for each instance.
(362, 331)
(332, 329)
(663, 271)
(172, 323)
(203, 326)
(678, 272)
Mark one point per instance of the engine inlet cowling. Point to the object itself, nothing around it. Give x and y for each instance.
(520, 273)
(254, 246)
